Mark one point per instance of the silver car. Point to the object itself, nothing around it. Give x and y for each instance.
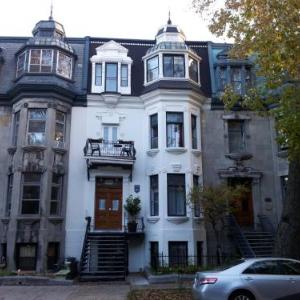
(251, 279)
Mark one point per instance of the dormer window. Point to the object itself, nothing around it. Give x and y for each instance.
(111, 69)
(45, 61)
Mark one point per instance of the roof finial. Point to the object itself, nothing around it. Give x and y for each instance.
(169, 21)
(51, 11)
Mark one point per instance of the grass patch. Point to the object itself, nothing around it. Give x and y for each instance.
(160, 294)
(4, 272)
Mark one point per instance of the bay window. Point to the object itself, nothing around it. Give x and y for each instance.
(175, 136)
(176, 195)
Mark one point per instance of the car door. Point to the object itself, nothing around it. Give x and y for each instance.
(291, 269)
(264, 279)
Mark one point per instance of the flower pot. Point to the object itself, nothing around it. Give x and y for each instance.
(132, 226)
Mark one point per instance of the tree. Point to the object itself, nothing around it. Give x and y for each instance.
(270, 31)
(216, 202)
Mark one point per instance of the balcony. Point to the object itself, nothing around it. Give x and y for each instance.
(99, 152)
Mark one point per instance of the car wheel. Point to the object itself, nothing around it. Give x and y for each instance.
(242, 295)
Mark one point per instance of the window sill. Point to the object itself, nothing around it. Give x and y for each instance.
(176, 150)
(177, 220)
(152, 152)
(239, 156)
(34, 147)
(28, 217)
(196, 152)
(153, 219)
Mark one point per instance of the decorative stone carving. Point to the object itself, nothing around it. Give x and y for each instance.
(33, 161)
(28, 231)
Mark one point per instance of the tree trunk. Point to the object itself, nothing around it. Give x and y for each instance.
(287, 242)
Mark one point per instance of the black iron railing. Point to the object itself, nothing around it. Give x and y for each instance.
(83, 252)
(189, 263)
(102, 148)
(134, 226)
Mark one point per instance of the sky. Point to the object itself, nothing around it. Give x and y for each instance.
(136, 19)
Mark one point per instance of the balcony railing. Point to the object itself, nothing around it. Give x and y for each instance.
(98, 148)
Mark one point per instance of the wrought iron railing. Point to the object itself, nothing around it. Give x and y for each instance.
(83, 252)
(102, 148)
(185, 263)
(134, 226)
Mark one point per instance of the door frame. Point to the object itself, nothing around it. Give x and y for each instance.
(97, 178)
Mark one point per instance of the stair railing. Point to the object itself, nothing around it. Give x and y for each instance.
(87, 230)
(266, 224)
(239, 238)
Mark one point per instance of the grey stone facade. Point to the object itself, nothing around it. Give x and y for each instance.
(32, 231)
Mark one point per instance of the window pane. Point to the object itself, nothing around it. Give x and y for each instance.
(36, 126)
(31, 192)
(173, 65)
(35, 57)
(168, 66)
(16, 128)
(194, 131)
(236, 79)
(98, 74)
(154, 202)
(175, 130)
(124, 75)
(154, 131)
(176, 195)
(114, 134)
(236, 136)
(37, 114)
(193, 69)
(111, 77)
(59, 128)
(64, 65)
(53, 208)
(21, 64)
(152, 68)
(9, 194)
(30, 207)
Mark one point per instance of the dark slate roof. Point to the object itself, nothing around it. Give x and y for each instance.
(138, 48)
(43, 82)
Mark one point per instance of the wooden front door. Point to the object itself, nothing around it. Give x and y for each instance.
(108, 206)
(243, 211)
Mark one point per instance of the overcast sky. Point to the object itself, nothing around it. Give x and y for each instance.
(103, 18)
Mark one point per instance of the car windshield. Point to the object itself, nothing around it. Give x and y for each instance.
(228, 265)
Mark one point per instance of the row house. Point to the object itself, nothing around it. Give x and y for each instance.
(85, 123)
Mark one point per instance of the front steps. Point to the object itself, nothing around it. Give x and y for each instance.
(261, 242)
(104, 257)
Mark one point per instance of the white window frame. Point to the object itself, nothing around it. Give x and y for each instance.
(40, 64)
(71, 67)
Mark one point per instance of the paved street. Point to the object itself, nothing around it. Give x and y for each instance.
(75, 292)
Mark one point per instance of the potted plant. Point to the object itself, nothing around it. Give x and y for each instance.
(133, 207)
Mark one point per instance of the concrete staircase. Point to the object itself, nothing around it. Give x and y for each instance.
(261, 242)
(104, 257)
